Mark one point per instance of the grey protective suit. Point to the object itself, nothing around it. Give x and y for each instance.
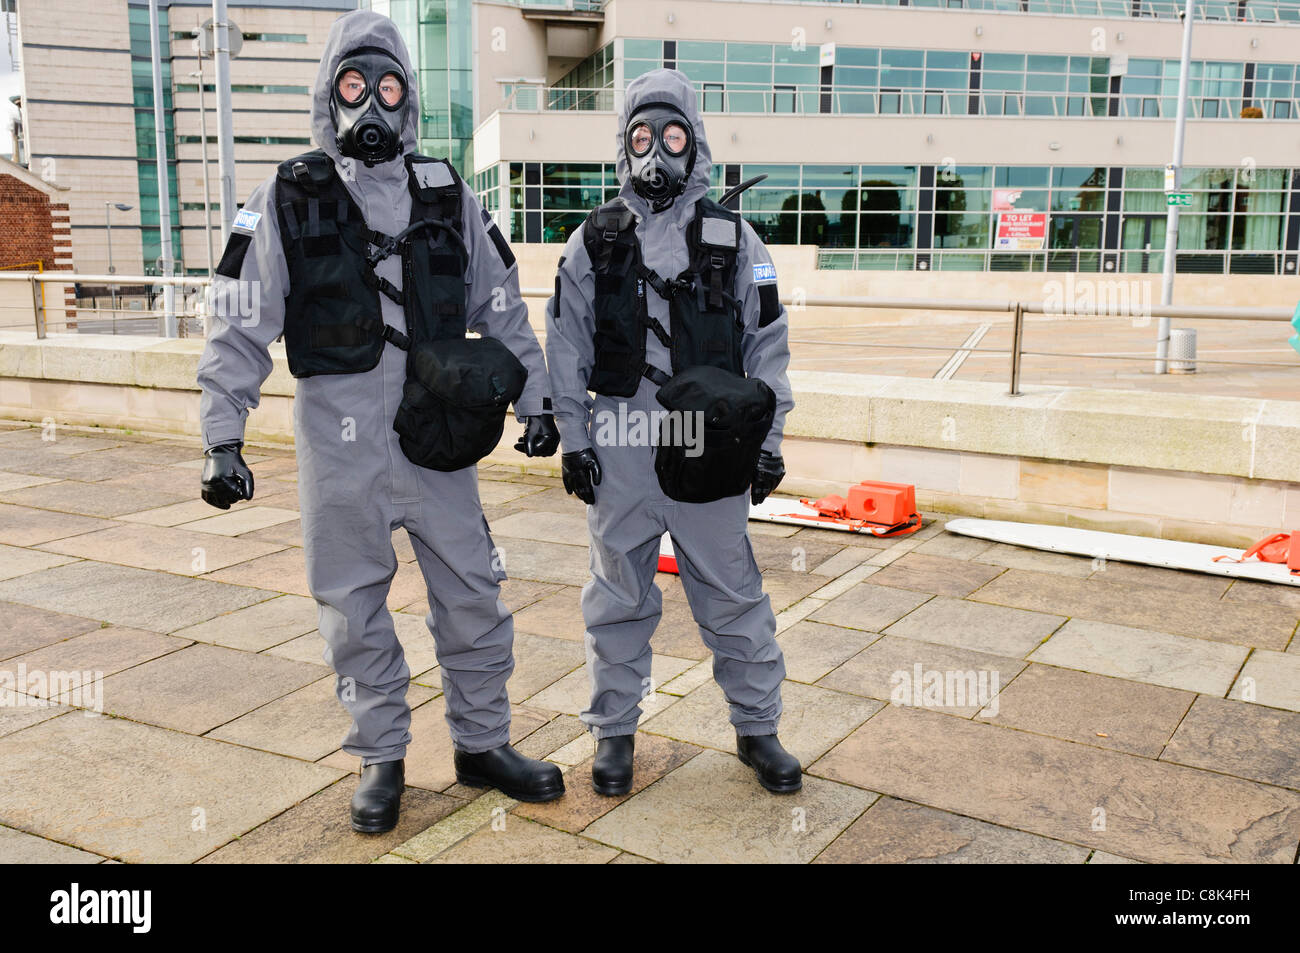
(621, 605)
(355, 485)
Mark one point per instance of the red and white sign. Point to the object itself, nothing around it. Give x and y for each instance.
(1021, 231)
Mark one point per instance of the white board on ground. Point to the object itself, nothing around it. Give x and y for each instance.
(1165, 553)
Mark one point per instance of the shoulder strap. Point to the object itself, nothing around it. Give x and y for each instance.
(609, 233)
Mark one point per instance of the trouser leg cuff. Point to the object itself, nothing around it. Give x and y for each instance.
(613, 731)
(752, 729)
(482, 741)
(368, 758)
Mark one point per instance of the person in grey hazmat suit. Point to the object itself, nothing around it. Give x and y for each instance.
(661, 295)
(373, 261)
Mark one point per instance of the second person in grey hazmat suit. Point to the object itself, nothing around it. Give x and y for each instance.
(356, 485)
(663, 167)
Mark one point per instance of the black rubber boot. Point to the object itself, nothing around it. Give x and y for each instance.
(777, 769)
(505, 769)
(378, 797)
(611, 772)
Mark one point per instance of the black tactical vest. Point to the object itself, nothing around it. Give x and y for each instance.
(332, 322)
(707, 323)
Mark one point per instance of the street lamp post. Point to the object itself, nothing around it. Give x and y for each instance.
(203, 141)
(108, 228)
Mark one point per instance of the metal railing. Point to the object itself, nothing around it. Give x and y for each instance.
(1265, 12)
(103, 304)
(1128, 261)
(809, 99)
(1116, 309)
(191, 314)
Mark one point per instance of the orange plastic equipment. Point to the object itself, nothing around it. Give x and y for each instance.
(1278, 548)
(872, 504)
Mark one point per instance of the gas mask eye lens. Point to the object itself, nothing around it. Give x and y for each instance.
(675, 138)
(351, 87)
(391, 90)
(640, 139)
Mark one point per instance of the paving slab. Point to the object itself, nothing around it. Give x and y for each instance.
(308, 723)
(164, 548)
(259, 626)
(1270, 678)
(1194, 665)
(581, 805)
(954, 546)
(899, 832)
(784, 587)
(159, 602)
(869, 607)
(317, 831)
(19, 710)
(520, 841)
(888, 668)
(541, 661)
(1247, 741)
(203, 686)
(289, 533)
(1091, 709)
(568, 527)
(284, 571)
(19, 847)
(143, 794)
(571, 694)
(26, 628)
(19, 481)
(813, 649)
(1148, 607)
(797, 553)
(454, 828)
(814, 719)
(173, 514)
(307, 648)
(16, 561)
(98, 653)
(712, 810)
(1201, 584)
(26, 526)
(544, 562)
(241, 520)
(86, 467)
(1150, 810)
(973, 625)
(1020, 557)
(88, 499)
(551, 736)
(940, 575)
(1250, 590)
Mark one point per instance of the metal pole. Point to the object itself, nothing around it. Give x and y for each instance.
(38, 307)
(112, 289)
(225, 124)
(207, 191)
(1017, 331)
(1171, 220)
(168, 322)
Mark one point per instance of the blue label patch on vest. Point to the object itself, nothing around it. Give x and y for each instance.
(246, 220)
(764, 272)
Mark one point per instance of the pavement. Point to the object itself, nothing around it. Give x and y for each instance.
(951, 700)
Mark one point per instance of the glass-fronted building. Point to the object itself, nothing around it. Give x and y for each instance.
(966, 135)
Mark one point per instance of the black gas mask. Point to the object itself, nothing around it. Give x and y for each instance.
(660, 153)
(368, 105)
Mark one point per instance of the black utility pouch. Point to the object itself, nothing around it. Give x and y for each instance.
(736, 413)
(454, 401)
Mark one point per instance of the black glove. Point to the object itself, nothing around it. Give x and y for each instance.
(768, 474)
(540, 438)
(226, 478)
(581, 472)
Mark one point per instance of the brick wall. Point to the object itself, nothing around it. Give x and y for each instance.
(35, 227)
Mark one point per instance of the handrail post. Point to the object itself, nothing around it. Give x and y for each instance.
(38, 307)
(1017, 329)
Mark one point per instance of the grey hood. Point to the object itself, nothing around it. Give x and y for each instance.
(671, 87)
(350, 32)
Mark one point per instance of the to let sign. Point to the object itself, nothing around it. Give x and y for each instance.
(1021, 231)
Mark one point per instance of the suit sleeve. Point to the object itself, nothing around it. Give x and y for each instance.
(766, 346)
(571, 345)
(494, 307)
(247, 314)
